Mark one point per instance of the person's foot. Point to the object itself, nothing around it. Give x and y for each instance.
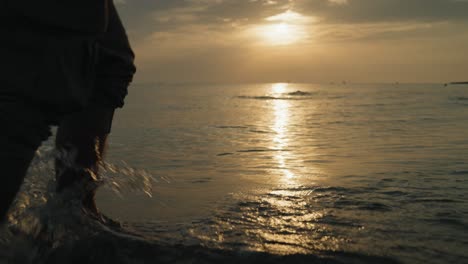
(80, 181)
(89, 203)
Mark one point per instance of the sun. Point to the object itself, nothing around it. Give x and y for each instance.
(283, 29)
(279, 87)
(280, 34)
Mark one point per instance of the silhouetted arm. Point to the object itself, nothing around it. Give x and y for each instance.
(84, 16)
(115, 67)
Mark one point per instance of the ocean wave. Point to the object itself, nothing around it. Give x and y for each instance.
(300, 93)
(65, 233)
(261, 150)
(231, 127)
(459, 172)
(460, 100)
(297, 95)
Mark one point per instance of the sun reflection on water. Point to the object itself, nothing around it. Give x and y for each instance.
(279, 87)
(281, 112)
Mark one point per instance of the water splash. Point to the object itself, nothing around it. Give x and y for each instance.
(40, 217)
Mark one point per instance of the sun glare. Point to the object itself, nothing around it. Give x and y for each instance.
(279, 87)
(280, 34)
(283, 29)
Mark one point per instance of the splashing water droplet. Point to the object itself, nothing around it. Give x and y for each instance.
(39, 207)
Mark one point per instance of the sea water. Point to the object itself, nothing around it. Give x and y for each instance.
(367, 169)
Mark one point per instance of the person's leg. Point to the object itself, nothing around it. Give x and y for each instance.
(23, 130)
(80, 141)
(84, 134)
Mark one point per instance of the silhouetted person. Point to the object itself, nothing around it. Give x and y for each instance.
(63, 63)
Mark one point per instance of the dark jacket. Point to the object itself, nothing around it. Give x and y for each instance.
(115, 68)
(49, 51)
(84, 16)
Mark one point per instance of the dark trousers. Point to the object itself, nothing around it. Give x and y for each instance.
(23, 130)
(84, 81)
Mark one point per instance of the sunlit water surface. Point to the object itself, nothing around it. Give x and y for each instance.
(299, 168)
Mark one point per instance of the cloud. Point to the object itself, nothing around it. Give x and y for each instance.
(206, 39)
(368, 11)
(145, 17)
(338, 2)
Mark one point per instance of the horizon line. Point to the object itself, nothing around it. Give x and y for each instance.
(341, 83)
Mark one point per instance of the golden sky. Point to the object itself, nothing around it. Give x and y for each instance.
(298, 40)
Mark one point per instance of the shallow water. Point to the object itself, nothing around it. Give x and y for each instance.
(369, 169)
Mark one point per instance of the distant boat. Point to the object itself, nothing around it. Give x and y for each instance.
(455, 83)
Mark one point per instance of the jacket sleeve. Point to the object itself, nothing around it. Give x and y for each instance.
(84, 16)
(115, 67)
